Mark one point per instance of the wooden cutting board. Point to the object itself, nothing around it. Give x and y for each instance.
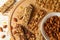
(40, 9)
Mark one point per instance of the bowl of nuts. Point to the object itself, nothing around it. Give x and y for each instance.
(50, 26)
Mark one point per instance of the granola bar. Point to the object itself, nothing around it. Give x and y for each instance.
(6, 5)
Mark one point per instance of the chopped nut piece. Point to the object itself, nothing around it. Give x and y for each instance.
(52, 27)
(5, 26)
(3, 36)
(15, 19)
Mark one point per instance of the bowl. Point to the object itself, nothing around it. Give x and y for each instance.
(41, 28)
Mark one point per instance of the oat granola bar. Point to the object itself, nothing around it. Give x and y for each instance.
(6, 5)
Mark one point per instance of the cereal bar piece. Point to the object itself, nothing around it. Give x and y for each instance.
(20, 17)
(6, 5)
